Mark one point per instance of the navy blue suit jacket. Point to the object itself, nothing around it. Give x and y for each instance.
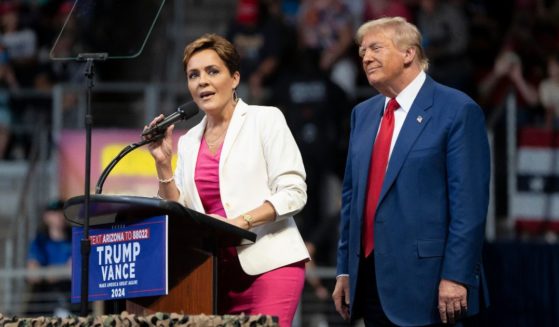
(430, 220)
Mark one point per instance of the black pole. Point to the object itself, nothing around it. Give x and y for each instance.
(85, 244)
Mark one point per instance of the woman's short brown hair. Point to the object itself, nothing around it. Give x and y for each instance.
(224, 49)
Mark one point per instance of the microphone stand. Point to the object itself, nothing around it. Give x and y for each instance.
(158, 132)
(129, 148)
(85, 243)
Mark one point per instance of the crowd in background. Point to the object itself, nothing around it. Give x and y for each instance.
(482, 47)
(27, 75)
(300, 55)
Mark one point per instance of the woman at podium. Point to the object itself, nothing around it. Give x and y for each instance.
(240, 163)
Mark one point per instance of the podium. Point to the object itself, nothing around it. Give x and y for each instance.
(194, 240)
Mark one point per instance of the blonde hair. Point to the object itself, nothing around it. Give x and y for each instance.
(403, 34)
(224, 49)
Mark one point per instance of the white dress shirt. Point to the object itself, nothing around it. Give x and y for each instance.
(405, 100)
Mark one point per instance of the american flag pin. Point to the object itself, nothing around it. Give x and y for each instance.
(419, 119)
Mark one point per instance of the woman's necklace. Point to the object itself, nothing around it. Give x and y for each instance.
(212, 144)
(215, 142)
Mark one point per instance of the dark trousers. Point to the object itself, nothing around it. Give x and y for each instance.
(368, 302)
(367, 298)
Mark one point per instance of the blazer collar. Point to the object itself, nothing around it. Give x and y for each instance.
(194, 138)
(232, 131)
(235, 125)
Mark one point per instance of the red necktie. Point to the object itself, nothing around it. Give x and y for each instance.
(377, 169)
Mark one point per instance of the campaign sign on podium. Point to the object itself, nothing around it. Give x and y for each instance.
(126, 260)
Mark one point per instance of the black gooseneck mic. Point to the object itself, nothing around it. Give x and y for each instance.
(183, 112)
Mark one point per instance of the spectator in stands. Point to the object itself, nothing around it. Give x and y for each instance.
(517, 68)
(508, 76)
(240, 164)
(66, 45)
(549, 92)
(289, 9)
(7, 83)
(373, 9)
(444, 27)
(51, 247)
(20, 42)
(257, 33)
(326, 26)
(315, 109)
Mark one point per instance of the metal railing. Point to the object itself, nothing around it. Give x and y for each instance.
(28, 179)
(26, 301)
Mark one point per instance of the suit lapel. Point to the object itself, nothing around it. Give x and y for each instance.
(412, 128)
(193, 144)
(370, 122)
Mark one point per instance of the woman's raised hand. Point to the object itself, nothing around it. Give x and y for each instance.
(161, 149)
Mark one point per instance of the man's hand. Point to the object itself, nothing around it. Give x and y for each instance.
(341, 296)
(453, 301)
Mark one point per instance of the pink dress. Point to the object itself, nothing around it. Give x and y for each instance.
(276, 292)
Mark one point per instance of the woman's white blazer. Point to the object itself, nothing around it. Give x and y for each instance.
(260, 161)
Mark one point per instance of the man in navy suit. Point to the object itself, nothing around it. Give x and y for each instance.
(415, 191)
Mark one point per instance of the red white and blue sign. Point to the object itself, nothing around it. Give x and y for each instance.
(534, 202)
(126, 261)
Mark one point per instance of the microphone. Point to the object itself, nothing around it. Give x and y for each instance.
(183, 112)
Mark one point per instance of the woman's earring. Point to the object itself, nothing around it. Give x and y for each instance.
(235, 96)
